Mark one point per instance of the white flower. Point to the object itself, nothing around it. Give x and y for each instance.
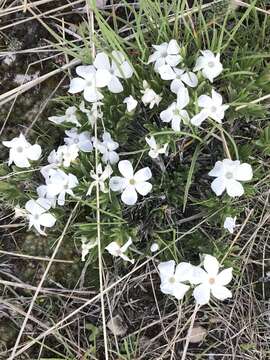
(21, 151)
(55, 159)
(88, 82)
(70, 117)
(228, 175)
(178, 77)
(59, 184)
(176, 113)
(107, 148)
(38, 214)
(69, 153)
(81, 140)
(229, 224)
(211, 282)
(42, 193)
(212, 107)
(172, 278)
(93, 114)
(118, 251)
(154, 247)
(99, 178)
(109, 73)
(131, 183)
(150, 97)
(87, 246)
(131, 103)
(155, 149)
(166, 53)
(209, 64)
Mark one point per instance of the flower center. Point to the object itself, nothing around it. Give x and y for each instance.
(36, 217)
(19, 149)
(111, 71)
(211, 64)
(76, 141)
(89, 83)
(211, 280)
(66, 186)
(132, 181)
(229, 175)
(176, 112)
(172, 280)
(213, 109)
(164, 54)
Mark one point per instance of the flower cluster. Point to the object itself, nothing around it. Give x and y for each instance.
(194, 100)
(177, 280)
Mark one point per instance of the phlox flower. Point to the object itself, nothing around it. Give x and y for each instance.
(69, 117)
(69, 153)
(42, 193)
(176, 113)
(150, 97)
(81, 140)
(228, 174)
(99, 178)
(209, 64)
(179, 77)
(21, 151)
(211, 282)
(211, 107)
(131, 103)
(129, 184)
(87, 82)
(110, 72)
(155, 149)
(94, 114)
(230, 223)
(172, 278)
(118, 251)
(58, 184)
(107, 148)
(166, 54)
(87, 246)
(38, 215)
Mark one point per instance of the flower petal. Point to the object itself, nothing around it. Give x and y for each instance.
(199, 118)
(143, 188)
(34, 152)
(182, 97)
(85, 71)
(224, 277)
(218, 186)
(47, 220)
(129, 195)
(103, 77)
(102, 61)
(211, 265)
(190, 79)
(166, 72)
(166, 269)
(202, 294)
(221, 292)
(234, 188)
(143, 174)
(115, 85)
(126, 169)
(166, 115)
(76, 85)
(205, 101)
(179, 290)
(244, 172)
(173, 47)
(184, 272)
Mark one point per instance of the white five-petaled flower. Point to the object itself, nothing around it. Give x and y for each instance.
(131, 183)
(178, 77)
(87, 246)
(81, 140)
(93, 114)
(99, 178)
(155, 149)
(172, 278)
(69, 117)
(150, 97)
(118, 251)
(230, 223)
(166, 54)
(87, 82)
(209, 64)
(131, 103)
(228, 175)
(21, 151)
(69, 153)
(107, 148)
(109, 72)
(58, 184)
(211, 107)
(176, 113)
(211, 282)
(37, 214)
